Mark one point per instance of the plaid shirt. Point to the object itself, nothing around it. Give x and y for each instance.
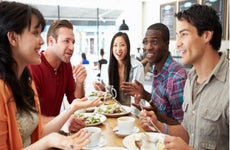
(167, 89)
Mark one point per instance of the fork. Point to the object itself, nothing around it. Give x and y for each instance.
(150, 124)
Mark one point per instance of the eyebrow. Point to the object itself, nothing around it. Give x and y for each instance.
(183, 30)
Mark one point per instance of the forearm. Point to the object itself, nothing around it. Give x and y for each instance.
(43, 143)
(174, 130)
(53, 140)
(165, 119)
(57, 122)
(79, 90)
(146, 95)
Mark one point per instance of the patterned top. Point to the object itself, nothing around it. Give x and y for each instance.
(167, 89)
(27, 123)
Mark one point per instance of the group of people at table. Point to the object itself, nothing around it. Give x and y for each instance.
(191, 108)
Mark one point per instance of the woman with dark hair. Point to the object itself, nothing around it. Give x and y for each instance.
(20, 117)
(84, 59)
(122, 68)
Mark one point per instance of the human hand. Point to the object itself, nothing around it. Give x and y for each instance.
(144, 121)
(137, 105)
(172, 143)
(84, 103)
(74, 142)
(133, 89)
(79, 73)
(98, 86)
(75, 124)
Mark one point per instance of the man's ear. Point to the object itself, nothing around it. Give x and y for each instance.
(13, 38)
(51, 40)
(208, 36)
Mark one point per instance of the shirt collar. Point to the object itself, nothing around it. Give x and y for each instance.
(165, 67)
(219, 72)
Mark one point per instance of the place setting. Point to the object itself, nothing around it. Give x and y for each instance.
(144, 141)
(125, 126)
(91, 119)
(110, 106)
(97, 140)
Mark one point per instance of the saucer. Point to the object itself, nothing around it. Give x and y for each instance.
(122, 134)
(101, 143)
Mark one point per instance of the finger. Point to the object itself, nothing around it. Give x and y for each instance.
(84, 99)
(137, 106)
(137, 82)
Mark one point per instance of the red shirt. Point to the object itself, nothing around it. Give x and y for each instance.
(52, 85)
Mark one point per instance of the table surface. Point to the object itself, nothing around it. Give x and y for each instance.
(107, 131)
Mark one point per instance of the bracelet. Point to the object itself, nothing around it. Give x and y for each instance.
(166, 128)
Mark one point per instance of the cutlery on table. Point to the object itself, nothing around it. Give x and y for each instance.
(150, 124)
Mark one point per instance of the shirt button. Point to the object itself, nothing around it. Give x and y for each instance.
(193, 112)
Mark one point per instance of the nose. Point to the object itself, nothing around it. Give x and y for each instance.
(148, 47)
(71, 46)
(41, 41)
(178, 42)
(118, 48)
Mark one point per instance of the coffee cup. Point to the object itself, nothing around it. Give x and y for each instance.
(125, 124)
(95, 136)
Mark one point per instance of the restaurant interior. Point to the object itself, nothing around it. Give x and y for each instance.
(96, 21)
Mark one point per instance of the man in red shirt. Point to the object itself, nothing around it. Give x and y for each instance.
(55, 76)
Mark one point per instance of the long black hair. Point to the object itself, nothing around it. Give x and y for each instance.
(113, 63)
(16, 17)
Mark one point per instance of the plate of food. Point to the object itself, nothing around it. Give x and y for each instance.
(111, 148)
(144, 141)
(99, 94)
(114, 110)
(91, 119)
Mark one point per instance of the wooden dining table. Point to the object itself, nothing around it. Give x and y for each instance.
(107, 131)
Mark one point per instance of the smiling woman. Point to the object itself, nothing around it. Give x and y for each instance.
(20, 120)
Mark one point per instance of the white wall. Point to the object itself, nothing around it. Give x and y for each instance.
(138, 14)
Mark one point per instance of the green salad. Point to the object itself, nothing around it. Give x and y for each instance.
(89, 120)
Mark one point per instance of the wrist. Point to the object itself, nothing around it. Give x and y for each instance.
(145, 95)
(71, 109)
(79, 84)
(165, 128)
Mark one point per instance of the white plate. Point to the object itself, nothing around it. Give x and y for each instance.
(121, 134)
(129, 141)
(126, 112)
(100, 116)
(90, 109)
(101, 143)
(111, 148)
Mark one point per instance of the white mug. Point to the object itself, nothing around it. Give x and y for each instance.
(126, 124)
(95, 136)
